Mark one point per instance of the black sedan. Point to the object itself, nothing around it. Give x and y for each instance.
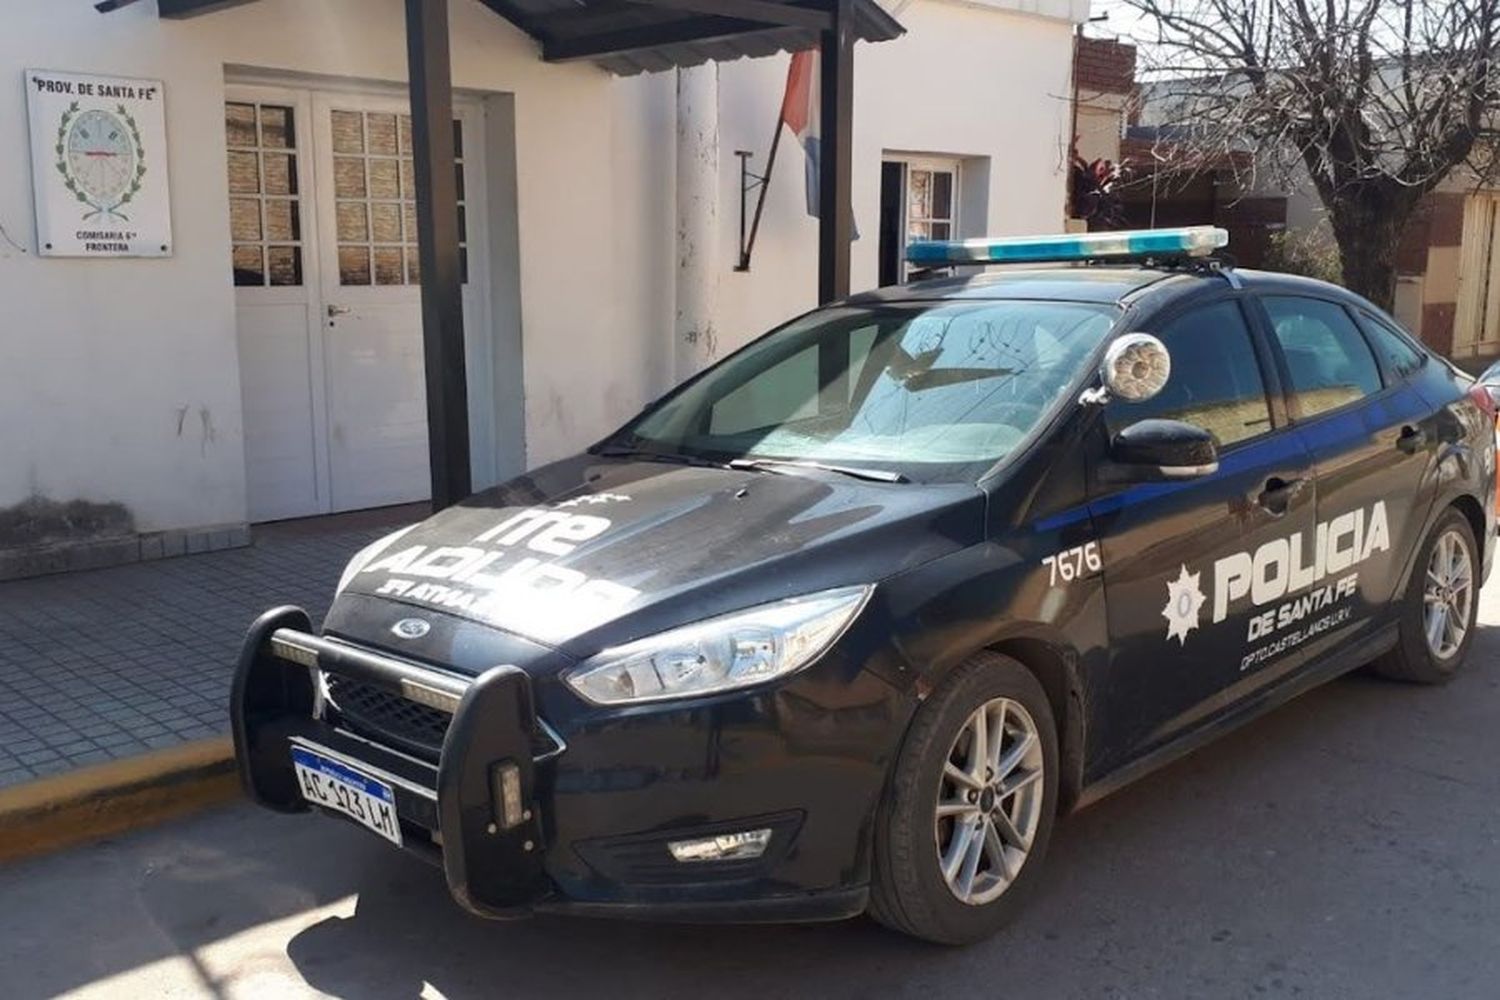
(844, 623)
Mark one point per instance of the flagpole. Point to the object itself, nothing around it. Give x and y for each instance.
(760, 202)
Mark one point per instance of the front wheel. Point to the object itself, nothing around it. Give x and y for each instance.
(1438, 612)
(971, 804)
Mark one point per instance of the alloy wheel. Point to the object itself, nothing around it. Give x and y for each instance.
(1448, 596)
(989, 801)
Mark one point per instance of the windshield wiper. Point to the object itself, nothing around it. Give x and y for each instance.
(854, 472)
(674, 458)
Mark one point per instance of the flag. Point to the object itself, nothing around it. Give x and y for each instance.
(802, 112)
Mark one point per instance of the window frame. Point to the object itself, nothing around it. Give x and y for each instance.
(298, 198)
(932, 163)
(1272, 383)
(1290, 396)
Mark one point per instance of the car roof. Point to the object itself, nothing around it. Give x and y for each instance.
(1094, 283)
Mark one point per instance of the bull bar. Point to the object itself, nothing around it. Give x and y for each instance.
(449, 811)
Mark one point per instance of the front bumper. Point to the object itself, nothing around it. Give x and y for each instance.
(610, 857)
(492, 870)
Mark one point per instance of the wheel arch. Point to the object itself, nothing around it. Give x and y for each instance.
(1056, 669)
(1474, 514)
(1467, 505)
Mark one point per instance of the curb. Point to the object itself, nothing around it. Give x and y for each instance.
(94, 802)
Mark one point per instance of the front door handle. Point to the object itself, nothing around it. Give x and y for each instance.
(1412, 440)
(337, 311)
(1278, 494)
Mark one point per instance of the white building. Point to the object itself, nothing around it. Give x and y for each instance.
(271, 365)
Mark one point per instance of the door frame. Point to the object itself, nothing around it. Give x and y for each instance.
(309, 97)
(300, 100)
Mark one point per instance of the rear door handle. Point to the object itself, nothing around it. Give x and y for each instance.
(1412, 440)
(1278, 494)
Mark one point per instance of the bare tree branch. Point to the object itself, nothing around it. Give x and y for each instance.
(1373, 102)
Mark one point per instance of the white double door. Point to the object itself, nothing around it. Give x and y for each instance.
(328, 312)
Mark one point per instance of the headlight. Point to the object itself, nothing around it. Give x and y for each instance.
(363, 556)
(720, 654)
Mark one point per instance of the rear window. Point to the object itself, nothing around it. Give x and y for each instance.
(1327, 357)
(1400, 356)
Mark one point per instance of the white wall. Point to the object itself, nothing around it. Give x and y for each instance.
(102, 357)
(104, 360)
(119, 378)
(967, 79)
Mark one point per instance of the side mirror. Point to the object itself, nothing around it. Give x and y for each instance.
(1164, 450)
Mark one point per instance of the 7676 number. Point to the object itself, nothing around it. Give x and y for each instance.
(1070, 564)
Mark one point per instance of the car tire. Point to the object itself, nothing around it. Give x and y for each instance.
(916, 831)
(1416, 658)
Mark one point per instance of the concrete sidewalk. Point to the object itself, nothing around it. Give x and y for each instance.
(109, 664)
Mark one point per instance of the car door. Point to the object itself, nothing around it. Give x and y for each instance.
(1190, 566)
(1371, 436)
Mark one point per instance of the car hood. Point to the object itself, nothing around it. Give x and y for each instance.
(592, 552)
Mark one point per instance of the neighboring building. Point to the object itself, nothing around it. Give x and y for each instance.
(1448, 268)
(271, 366)
(1160, 179)
(1103, 96)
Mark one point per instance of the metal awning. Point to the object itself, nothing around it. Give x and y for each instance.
(641, 36)
(628, 37)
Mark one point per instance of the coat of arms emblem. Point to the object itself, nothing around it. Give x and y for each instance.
(100, 157)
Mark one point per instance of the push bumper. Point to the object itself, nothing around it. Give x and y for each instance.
(448, 812)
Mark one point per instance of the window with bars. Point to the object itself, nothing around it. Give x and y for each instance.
(374, 187)
(265, 207)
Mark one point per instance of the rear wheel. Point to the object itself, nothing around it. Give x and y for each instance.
(1439, 608)
(970, 809)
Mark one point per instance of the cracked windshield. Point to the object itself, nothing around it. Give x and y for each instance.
(933, 391)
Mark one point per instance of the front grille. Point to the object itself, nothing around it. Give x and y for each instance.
(386, 717)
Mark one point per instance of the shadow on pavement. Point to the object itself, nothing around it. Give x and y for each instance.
(1302, 855)
(1345, 845)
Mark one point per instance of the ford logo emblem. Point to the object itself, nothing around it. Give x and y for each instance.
(411, 628)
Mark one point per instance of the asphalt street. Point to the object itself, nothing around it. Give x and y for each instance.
(1347, 845)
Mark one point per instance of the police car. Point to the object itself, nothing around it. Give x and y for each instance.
(845, 622)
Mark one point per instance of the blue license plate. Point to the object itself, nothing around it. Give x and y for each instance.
(337, 786)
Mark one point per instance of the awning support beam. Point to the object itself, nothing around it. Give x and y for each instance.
(835, 166)
(433, 155)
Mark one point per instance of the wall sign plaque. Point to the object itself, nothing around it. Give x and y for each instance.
(99, 165)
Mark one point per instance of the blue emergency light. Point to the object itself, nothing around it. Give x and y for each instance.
(1187, 241)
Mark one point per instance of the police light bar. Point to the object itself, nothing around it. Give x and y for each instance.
(1187, 241)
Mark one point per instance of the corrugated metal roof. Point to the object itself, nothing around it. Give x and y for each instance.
(566, 24)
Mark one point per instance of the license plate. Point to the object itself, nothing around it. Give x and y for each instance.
(340, 787)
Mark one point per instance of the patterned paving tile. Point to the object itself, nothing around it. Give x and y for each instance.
(104, 664)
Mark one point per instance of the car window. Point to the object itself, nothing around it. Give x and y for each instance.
(1215, 381)
(1327, 357)
(786, 391)
(1400, 356)
(937, 391)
